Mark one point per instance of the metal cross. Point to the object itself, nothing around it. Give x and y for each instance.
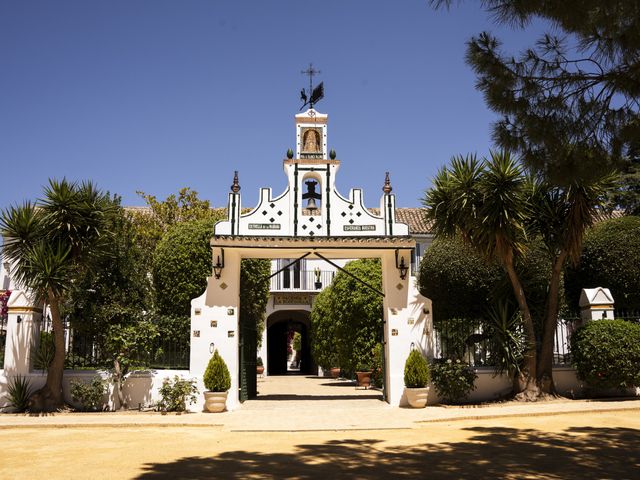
(311, 72)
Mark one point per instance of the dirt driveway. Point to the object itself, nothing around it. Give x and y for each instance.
(572, 446)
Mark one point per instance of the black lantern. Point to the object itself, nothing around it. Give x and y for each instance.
(402, 267)
(218, 266)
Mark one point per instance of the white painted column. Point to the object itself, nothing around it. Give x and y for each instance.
(23, 328)
(407, 324)
(214, 324)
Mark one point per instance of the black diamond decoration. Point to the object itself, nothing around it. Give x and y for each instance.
(311, 219)
(304, 227)
(358, 214)
(343, 214)
(318, 226)
(272, 219)
(311, 234)
(279, 213)
(264, 212)
(350, 207)
(272, 205)
(351, 220)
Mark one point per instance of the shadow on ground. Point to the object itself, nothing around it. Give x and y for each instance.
(293, 396)
(489, 453)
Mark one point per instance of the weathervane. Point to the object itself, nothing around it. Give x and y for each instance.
(316, 94)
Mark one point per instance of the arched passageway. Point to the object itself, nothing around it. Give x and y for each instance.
(281, 327)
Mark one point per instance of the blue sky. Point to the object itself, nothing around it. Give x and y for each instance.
(157, 95)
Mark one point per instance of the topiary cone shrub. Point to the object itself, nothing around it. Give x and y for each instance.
(216, 376)
(416, 371)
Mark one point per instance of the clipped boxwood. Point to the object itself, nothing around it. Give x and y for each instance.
(606, 354)
(216, 376)
(416, 371)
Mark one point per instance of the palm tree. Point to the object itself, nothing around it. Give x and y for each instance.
(562, 215)
(48, 242)
(485, 202)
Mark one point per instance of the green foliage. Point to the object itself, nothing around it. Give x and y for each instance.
(346, 318)
(181, 265)
(416, 371)
(176, 393)
(507, 342)
(44, 354)
(611, 259)
(457, 279)
(18, 393)
(152, 224)
(130, 345)
(259, 362)
(323, 331)
(377, 366)
(454, 380)
(117, 290)
(569, 103)
(216, 376)
(254, 292)
(89, 395)
(606, 354)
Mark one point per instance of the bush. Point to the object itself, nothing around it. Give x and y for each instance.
(416, 371)
(458, 281)
(610, 258)
(346, 319)
(176, 393)
(606, 354)
(453, 379)
(89, 395)
(181, 265)
(377, 367)
(259, 362)
(216, 376)
(18, 393)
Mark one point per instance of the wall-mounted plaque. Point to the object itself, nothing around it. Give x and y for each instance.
(394, 332)
(214, 323)
(230, 311)
(231, 333)
(196, 333)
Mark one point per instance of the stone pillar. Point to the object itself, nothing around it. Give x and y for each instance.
(596, 304)
(214, 323)
(23, 327)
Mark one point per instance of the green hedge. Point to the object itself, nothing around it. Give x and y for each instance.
(611, 259)
(606, 353)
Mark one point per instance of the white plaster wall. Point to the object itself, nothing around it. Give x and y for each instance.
(220, 305)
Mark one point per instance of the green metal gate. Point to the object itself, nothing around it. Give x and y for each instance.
(248, 343)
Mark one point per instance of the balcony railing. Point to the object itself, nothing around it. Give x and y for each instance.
(300, 280)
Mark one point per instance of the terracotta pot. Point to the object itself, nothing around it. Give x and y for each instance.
(259, 369)
(215, 402)
(364, 379)
(417, 397)
(335, 372)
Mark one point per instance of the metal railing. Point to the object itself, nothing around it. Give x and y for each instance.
(301, 280)
(84, 353)
(3, 338)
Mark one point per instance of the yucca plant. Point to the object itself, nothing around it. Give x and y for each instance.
(19, 390)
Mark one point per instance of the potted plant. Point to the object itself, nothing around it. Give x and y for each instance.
(217, 381)
(363, 375)
(416, 379)
(259, 366)
(318, 283)
(335, 372)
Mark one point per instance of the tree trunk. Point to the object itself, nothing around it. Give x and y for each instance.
(525, 384)
(545, 360)
(118, 377)
(49, 398)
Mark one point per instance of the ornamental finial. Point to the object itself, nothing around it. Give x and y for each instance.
(387, 184)
(235, 188)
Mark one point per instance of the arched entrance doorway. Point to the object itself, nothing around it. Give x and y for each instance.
(282, 357)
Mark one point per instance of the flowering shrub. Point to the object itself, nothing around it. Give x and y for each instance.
(4, 309)
(454, 380)
(176, 393)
